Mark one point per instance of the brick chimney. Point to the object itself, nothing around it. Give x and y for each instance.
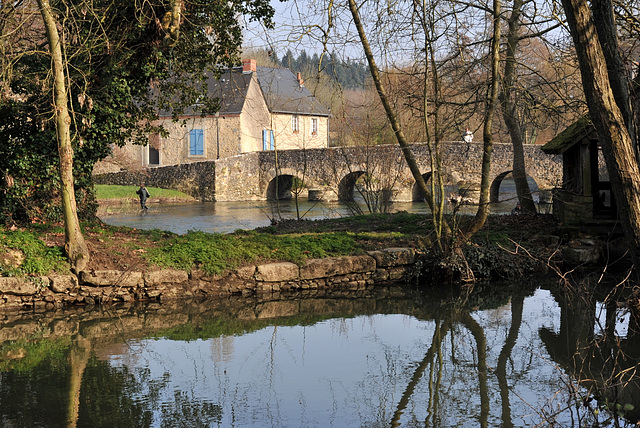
(248, 65)
(300, 81)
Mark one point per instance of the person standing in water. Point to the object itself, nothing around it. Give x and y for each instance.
(143, 194)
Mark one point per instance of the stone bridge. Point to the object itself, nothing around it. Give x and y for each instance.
(340, 173)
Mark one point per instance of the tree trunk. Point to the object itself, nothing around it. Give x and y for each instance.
(509, 112)
(617, 144)
(75, 246)
(604, 22)
(487, 133)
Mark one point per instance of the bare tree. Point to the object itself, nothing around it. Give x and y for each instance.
(607, 90)
(508, 110)
(390, 111)
(487, 129)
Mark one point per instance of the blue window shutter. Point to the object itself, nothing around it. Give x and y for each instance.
(196, 142)
(265, 145)
(200, 142)
(272, 139)
(192, 142)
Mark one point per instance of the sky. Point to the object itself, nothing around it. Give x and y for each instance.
(292, 21)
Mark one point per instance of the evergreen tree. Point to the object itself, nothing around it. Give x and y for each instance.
(350, 74)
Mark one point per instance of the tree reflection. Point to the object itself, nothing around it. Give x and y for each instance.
(107, 398)
(78, 358)
(442, 327)
(458, 313)
(429, 366)
(603, 363)
(116, 397)
(481, 347)
(517, 305)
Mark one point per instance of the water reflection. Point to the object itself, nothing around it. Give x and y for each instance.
(382, 357)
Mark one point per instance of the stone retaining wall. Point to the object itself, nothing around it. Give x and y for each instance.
(103, 287)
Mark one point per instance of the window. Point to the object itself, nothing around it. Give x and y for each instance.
(196, 142)
(295, 123)
(314, 126)
(151, 153)
(268, 139)
(154, 156)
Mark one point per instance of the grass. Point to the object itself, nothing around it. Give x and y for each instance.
(105, 192)
(215, 253)
(39, 247)
(38, 258)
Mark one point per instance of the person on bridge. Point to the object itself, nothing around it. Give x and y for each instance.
(467, 136)
(143, 194)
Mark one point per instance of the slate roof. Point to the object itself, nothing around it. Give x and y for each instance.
(280, 88)
(570, 136)
(284, 94)
(231, 88)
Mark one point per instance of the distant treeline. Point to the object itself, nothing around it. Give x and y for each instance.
(350, 74)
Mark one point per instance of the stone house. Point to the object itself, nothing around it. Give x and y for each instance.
(585, 198)
(262, 108)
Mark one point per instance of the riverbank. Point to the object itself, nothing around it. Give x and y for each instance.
(507, 247)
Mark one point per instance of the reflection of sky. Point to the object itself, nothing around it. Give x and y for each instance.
(621, 323)
(353, 372)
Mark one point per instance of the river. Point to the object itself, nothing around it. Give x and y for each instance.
(224, 217)
(498, 356)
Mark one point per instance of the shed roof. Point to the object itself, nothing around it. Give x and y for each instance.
(570, 136)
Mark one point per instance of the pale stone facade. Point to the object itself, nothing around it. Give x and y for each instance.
(309, 135)
(277, 113)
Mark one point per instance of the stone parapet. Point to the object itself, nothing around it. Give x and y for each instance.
(325, 171)
(381, 267)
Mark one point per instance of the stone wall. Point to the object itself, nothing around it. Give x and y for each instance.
(329, 171)
(103, 287)
(197, 179)
(237, 179)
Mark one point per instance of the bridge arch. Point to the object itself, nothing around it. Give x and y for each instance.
(347, 186)
(494, 190)
(280, 186)
(417, 195)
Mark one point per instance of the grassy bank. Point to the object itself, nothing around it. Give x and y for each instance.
(38, 249)
(117, 200)
(105, 192)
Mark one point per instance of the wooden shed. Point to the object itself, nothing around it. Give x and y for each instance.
(585, 198)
